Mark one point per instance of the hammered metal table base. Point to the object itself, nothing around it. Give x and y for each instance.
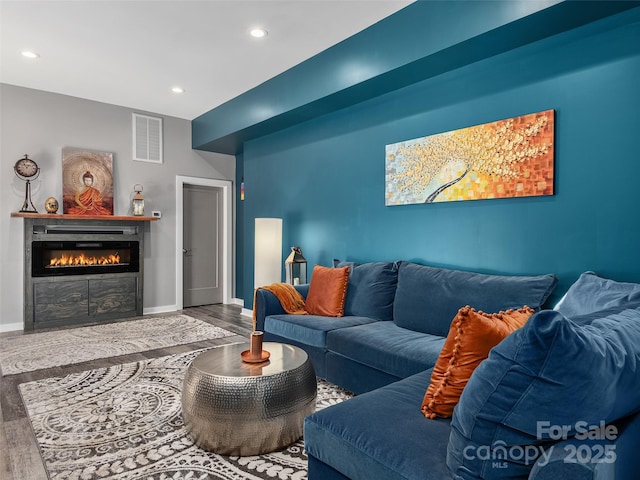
(233, 408)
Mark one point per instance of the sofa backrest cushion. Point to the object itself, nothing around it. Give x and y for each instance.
(547, 381)
(372, 288)
(428, 298)
(591, 293)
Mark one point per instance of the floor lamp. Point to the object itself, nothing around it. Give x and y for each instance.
(268, 252)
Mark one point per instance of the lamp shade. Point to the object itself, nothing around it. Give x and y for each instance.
(268, 252)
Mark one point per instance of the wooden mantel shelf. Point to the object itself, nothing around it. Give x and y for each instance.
(84, 217)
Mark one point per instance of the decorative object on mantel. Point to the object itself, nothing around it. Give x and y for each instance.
(503, 159)
(26, 169)
(295, 267)
(51, 205)
(138, 201)
(87, 182)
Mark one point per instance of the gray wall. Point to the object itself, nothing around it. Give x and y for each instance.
(40, 124)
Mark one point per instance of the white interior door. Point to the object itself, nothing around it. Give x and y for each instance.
(202, 245)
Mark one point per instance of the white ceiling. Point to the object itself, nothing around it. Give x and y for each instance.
(131, 52)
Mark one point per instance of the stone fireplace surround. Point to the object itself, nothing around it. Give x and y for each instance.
(81, 298)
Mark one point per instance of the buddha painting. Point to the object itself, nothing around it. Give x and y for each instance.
(87, 182)
(89, 200)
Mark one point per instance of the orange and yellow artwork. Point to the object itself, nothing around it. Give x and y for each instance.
(507, 158)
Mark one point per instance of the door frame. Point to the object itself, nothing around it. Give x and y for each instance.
(227, 234)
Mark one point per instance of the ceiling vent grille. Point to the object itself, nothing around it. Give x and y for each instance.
(147, 138)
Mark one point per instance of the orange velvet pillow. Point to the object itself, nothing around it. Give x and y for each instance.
(471, 335)
(327, 291)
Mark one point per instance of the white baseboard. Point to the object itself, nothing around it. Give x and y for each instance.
(160, 309)
(18, 326)
(174, 308)
(11, 327)
(245, 311)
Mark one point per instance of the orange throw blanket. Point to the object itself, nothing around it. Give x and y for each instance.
(290, 299)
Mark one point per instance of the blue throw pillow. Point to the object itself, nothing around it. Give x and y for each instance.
(591, 293)
(371, 289)
(428, 298)
(550, 380)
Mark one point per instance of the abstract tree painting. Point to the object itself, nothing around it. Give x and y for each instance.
(507, 158)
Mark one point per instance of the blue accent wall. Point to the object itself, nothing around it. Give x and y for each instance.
(325, 177)
(422, 40)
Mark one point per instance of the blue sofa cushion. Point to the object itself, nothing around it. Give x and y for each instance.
(309, 329)
(591, 293)
(381, 435)
(428, 298)
(387, 347)
(372, 287)
(553, 372)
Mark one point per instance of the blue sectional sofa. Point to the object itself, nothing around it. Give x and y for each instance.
(397, 315)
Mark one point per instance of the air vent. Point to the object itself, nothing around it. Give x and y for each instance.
(147, 138)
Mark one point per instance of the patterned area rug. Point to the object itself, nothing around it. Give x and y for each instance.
(35, 351)
(125, 422)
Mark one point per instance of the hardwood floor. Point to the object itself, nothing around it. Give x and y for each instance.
(19, 456)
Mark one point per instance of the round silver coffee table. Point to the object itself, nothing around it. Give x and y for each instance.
(236, 408)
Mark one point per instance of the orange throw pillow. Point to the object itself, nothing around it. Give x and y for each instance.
(471, 336)
(327, 291)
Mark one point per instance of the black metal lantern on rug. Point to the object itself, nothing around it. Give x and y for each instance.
(295, 267)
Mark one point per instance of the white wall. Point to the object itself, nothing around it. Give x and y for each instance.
(39, 124)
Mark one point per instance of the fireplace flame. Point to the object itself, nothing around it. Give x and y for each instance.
(65, 260)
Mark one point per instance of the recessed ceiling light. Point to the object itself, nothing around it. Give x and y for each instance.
(177, 90)
(29, 54)
(258, 32)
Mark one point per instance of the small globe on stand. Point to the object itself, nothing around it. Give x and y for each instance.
(51, 205)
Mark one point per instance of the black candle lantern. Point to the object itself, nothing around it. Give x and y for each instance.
(296, 267)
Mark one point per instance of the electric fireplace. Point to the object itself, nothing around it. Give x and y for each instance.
(82, 270)
(83, 257)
